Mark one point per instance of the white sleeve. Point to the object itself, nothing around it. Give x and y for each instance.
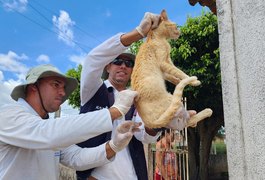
(24, 129)
(94, 64)
(142, 135)
(81, 159)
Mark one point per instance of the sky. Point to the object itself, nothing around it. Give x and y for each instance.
(61, 33)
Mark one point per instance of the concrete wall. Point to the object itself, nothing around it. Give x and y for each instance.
(242, 51)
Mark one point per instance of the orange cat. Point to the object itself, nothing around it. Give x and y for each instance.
(153, 66)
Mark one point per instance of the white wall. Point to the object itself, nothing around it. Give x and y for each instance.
(242, 52)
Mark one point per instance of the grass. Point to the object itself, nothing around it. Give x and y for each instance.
(220, 147)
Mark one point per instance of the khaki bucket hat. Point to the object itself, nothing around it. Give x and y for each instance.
(127, 53)
(42, 71)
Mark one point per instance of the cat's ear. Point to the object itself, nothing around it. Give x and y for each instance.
(164, 15)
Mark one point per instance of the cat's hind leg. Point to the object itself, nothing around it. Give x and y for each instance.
(175, 104)
(199, 116)
(178, 95)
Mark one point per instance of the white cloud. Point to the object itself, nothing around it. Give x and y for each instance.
(108, 13)
(6, 88)
(15, 5)
(78, 59)
(1, 76)
(43, 58)
(11, 62)
(64, 26)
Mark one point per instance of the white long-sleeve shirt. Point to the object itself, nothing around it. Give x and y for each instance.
(31, 148)
(122, 167)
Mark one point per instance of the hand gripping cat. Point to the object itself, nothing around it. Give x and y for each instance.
(153, 66)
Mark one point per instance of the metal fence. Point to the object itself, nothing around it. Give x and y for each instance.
(168, 158)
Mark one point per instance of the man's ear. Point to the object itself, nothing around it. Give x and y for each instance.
(107, 68)
(32, 87)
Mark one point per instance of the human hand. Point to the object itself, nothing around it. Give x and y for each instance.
(149, 21)
(182, 116)
(123, 134)
(124, 101)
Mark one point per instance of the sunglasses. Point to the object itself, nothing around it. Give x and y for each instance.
(118, 62)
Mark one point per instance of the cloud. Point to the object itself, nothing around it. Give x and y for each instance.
(78, 59)
(64, 25)
(108, 13)
(13, 5)
(6, 88)
(43, 58)
(11, 62)
(1, 76)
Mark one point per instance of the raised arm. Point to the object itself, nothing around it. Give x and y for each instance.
(103, 54)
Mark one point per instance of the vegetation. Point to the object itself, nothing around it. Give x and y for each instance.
(220, 147)
(74, 98)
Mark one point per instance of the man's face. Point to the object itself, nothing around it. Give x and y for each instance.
(120, 70)
(52, 90)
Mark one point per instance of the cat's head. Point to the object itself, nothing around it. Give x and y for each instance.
(167, 28)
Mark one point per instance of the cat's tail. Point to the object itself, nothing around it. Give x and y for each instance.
(176, 102)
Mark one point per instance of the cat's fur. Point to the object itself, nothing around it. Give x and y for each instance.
(153, 66)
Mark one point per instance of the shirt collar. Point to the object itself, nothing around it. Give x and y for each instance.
(108, 84)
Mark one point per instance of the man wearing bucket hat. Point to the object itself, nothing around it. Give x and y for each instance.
(113, 61)
(31, 145)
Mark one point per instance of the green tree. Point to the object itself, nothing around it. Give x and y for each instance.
(74, 98)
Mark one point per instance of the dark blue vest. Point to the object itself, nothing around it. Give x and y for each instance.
(103, 98)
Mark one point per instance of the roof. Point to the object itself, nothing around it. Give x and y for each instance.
(211, 4)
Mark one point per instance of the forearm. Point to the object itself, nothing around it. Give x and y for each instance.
(114, 113)
(84, 158)
(150, 131)
(110, 153)
(146, 135)
(128, 38)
